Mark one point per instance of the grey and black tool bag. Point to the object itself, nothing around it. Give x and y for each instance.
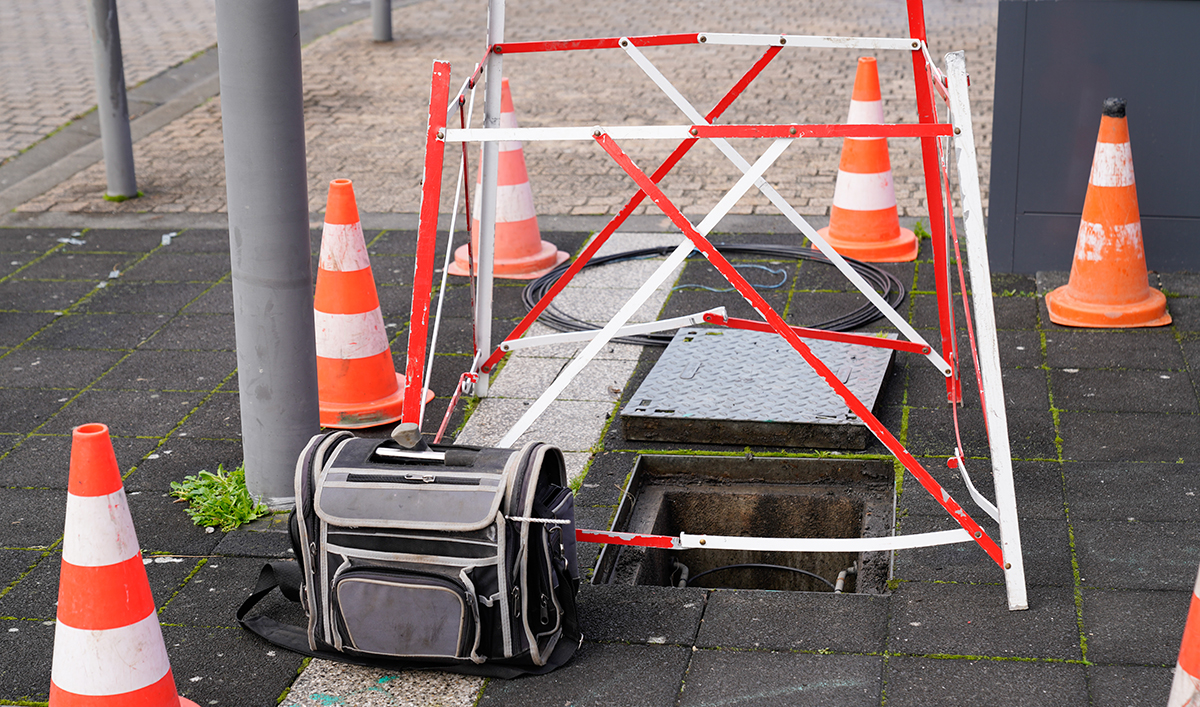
(451, 557)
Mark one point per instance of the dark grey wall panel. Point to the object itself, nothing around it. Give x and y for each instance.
(1056, 62)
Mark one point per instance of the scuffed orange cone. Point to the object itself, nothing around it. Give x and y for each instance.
(357, 383)
(108, 645)
(1185, 689)
(1108, 286)
(520, 252)
(863, 221)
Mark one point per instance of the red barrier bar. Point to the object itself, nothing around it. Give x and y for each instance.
(822, 334)
(570, 45)
(431, 197)
(635, 201)
(608, 537)
(781, 327)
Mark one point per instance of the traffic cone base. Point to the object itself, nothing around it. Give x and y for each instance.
(108, 645)
(1067, 310)
(527, 268)
(1109, 287)
(882, 248)
(357, 382)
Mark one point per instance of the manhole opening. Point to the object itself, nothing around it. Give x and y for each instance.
(757, 497)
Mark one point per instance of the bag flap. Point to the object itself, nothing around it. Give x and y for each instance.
(363, 489)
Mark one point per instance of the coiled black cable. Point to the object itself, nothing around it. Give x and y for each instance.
(886, 284)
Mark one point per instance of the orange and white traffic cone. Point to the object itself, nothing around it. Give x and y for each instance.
(1109, 286)
(1185, 690)
(108, 645)
(520, 253)
(863, 221)
(357, 383)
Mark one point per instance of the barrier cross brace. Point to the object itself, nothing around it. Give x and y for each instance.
(1007, 554)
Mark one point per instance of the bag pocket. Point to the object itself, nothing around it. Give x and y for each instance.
(404, 614)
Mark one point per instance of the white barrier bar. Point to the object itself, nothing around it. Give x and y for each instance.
(618, 132)
(988, 345)
(801, 40)
(628, 330)
(834, 257)
(889, 542)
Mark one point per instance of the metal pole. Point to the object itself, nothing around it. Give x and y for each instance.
(487, 199)
(258, 44)
(111, 103)
(381, 20)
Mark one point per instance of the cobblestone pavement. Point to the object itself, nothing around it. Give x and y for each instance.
(365, 105)
(46, 52)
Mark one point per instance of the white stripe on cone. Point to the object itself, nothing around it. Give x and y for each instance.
(109, 662)
(99, 530)
(866, 112)
(864, 192)
(1112, 165)
(514, 202)
(343, 248)
(1185, 688)
(1095, 242)
(347, 336)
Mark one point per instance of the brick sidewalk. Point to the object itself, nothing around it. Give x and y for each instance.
(365, 106)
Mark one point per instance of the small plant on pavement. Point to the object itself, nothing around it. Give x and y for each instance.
(218, 500)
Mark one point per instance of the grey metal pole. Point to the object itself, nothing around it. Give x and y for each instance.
(487, 199)
(111, 104)
(381, 20)
(262, 115)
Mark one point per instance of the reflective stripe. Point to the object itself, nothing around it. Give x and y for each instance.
(865, 112)
(109, 662)
(864, 192)
(99, 530)
(1112, 165)
(343, 248)
(1096, 242)
(513, 203)
(344, 336)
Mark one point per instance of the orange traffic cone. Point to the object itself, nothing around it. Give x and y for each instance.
(1185, 690)
(357, 383)
(863, 222)
(520, 252)
(108, 645)
(1108, 286)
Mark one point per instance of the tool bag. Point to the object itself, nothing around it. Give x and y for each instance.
(451, 557)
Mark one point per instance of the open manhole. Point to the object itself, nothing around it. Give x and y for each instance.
(773, 497)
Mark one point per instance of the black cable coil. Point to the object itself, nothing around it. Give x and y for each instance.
(886, 284)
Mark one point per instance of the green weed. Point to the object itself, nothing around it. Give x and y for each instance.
(220, 500)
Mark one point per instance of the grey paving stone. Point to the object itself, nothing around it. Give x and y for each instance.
(1045, 549)
(1129, 686)
(257, 544)
(25, 411)
(42, 295)
(641, 614)
(117, 240)
(601, 674)
(528, 377)
(1185, 313)
(197, 332)
(803, 621)
(1124, 554)
(122, 297)
(1039, 488)
(170, 370)
(28, 678)
(924, 681)
(183, 456)
(758, 677)
(1124, 348)
(97, 331)
(31, 240)
(1120, 490)
(571, 425)
(1134, 627)
(163, 527)
(142, 413)
(605, 481)
(93, 267)
(974, 620)
(29, 367)
(168, 265)
(14, 563)
(213, 594)
(32, 518)
(931, 432)
(44, 461)
(1114, 436)
(35, 597)
(200, 240)
(218, 418)
(1018, 312)
(233, 666)
(217, 300)
(1123, 390)
(1024, 389)
(16, 327)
